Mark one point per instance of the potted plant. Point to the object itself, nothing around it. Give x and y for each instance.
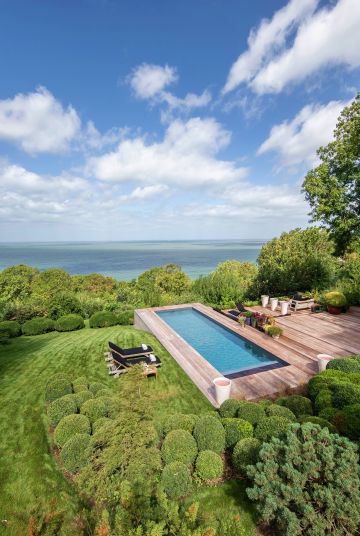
(335, 302)
(248, 315)
(241, 320)
(273, 331)
(253, 322)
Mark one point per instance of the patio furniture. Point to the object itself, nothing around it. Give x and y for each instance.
(298, 305)
(131, 352)
(126, 363)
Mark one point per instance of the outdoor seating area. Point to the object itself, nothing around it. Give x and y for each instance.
(120, 360)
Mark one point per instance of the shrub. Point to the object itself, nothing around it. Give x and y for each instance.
(99, 423)
(210, 434)
(350, 364)
(314, 484)
(69, 323)
(251, 412)
(299, 405)
(37, 326)
(229, 408)
(280, 411)
(176, 480)
(321, 422)
(348, 421)
(125, 318)
(104, 393)
(345, 394)
(4, 336)
(179, 446)
(94, 409)
(62, 304)
(82, 396)
(209, 465)
(328, 414)
(271, 427)
(179, 421)
(12, 327)
(69, 426)
(245, 453)
(324, 380)
(59, 408)
(335, 299)
(96, 386)
(323, 400)
(103, 319)
(236, 429)
(57, 387)
(273, 331)
(74, 452)
(79, 384)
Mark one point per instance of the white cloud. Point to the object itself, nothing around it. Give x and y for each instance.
(296, 141)
(38, 122)
(266, 40)
(147, 192)
(186, 157)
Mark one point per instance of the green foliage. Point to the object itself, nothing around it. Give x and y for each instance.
(308, 483)
(104, 393)
(94, 283)
(21, 311)
(332, 188)
(271, 427)
(179, 421)
(57, 387)
(179, 446)
(323, 423)
(209, 434)
(94, 409)
(328, 413)
(69, 426)
(176, 480)
(345, 394)
(156, 283)
(15, 282)
(49, 283)
(324, 380)
(348, 364)
(95, 387)
(37, 326)
(280, 411)
(348, 421)
(82, 396)
(349, 278)
(323, 400)
(336, 299)
(99, 423)
(229, 408)
(299, 405)
(125, 318)
(236, 429)
(273, 331)
(245, 453)
(59, 408)
(80, 383)
(74, 452)
(251, 412)
(70, 322)
(103, 319)
(64, 303)
(12, 327)
(4, 336)
(209, 465)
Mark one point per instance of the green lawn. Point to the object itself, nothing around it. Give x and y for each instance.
(28, 473)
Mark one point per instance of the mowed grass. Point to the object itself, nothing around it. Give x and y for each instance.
(29, 476)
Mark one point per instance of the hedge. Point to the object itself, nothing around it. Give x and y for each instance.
(176, 480)
(299, 405)
(236, 429)
(179, 446)
(271, 427)
(349, 364)
(69, 426)
(229, 408)
(245, 453)
(12, 327)
(209, 465)
(99, 423)
(59, 408)
(125, 318)
(103, 319)
(74, 452)
(37, 326)
(94, 409)
(210, 434)
(251, 412)
(82, 396)
(57, 387)
(179, 421)
(70, 322)
(321, 422)
(275, 410)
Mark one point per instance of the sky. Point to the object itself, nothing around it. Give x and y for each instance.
(167, 120)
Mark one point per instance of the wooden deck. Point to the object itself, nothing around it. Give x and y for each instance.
(305, 335)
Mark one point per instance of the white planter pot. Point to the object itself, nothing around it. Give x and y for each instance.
(222, 389)
(273, 303)
(264, 300)
(323, 360)
(284, 307)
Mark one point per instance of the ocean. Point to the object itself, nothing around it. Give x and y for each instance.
(126, 260)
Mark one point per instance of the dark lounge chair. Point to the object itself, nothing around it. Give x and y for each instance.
(120, 364)
(240, 307)
(130, 352)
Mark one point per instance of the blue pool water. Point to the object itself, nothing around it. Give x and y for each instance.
(223, 349)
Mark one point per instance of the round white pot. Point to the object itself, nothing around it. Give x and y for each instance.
(323, 360)
(222, 389)
(284, 307)
(273, 303)
(264, 300)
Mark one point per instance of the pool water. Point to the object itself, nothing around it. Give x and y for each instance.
(228, 352)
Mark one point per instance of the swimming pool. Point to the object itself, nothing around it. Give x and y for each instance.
(229, 353)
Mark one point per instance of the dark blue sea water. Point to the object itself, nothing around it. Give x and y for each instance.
(126, 260)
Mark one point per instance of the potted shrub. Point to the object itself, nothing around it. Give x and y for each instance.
(273, 331)
(248, 315)
(335, 302)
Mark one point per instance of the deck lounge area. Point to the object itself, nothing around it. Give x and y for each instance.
(305, 335)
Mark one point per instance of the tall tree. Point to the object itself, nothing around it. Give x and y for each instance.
(333, 187)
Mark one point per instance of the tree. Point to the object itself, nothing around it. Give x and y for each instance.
(15, 282)
(47, 283)
(333, 187)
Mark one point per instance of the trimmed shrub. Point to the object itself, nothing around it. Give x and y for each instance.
(94, 409)
(280, 411)
(179, 446)
(70, 322)
(236, 429)
(12, 327)
(179, 421)
(210, 434)
(299, 405)
(57, 387)
(251, 412)
(245, 453)
(69, 426)
(229, 408)
(103, 319)
(96, 386)
(345, 394)
(112, 407)
(37, 326)
(209, 465)
(348, 421)
(82, 396)
(104, 393)
(328, 414)
(74, 452)
(349, 364)
(323, 400)
(99, 423)
(265, 402)
(80, 384)
(59, 408)
(271, 427)
(324, 380)
(321, 422)
(176, 480)
(125, 318)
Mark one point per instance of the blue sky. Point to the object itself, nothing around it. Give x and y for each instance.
(164, 119)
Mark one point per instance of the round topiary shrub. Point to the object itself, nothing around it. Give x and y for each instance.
(94, 409)
(229, 408)
(349, 364)
(104, 393)
(80, 384)
(125, 318)
(328, 414)
(69, 426)
(251, 412)
(74, 452)
(236, 429)
(176, 480)
(57, 387)
(37, 326)
(299, 405)
(96, 386)
(348, 421)
(179, 446)
(280, 411)
(335, 299)
(12, 327)
(70, 322)
(324, 380)
(321, 422)
(59, 408)
(271, 427)
(209, 465)
(103, 319)
(210, 434)
(345, 394)
(179, 421)
(99, 423)
(82, 396)
(245, 453)
(323, 400)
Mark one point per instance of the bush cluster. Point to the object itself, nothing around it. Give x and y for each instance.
(210, 434)
(351, 364)
(236, 429)
(69, 322)
(209, 465)
(11, 327)
(74, 452)
(103, 319)
(37, 326)
(179, 446)
(176, 480)
(95, 408)
(69, 426)
(57, 387)
(59, 408)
